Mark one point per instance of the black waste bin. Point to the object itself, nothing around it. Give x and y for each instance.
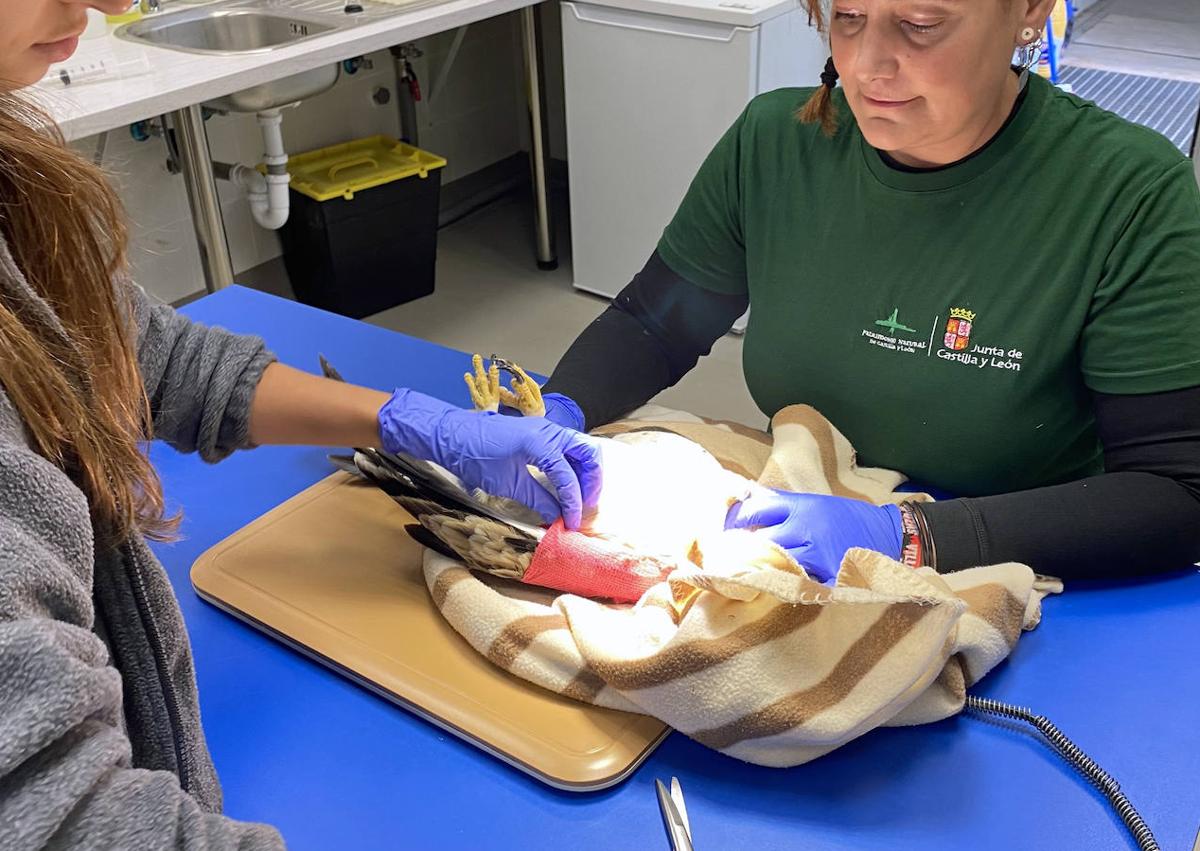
(362, 234)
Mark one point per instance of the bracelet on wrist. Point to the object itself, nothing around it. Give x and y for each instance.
(916, 546)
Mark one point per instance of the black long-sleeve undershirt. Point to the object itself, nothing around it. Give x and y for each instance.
(1140, 517)
(652, 334)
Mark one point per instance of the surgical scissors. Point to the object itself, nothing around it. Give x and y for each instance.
(674, 813)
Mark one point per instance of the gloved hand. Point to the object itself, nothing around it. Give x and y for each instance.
(816, 530)
(493, 452)
(560, 410)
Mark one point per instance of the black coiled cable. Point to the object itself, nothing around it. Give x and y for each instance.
(1099, 778)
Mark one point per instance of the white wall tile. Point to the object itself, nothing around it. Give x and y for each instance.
(239, 232)
(153, 197)
(266, 244)
(224, 133)
(472, 139)
(166, 261)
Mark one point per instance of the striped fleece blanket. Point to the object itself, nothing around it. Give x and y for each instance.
(738, 648)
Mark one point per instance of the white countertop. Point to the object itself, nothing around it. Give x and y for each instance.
(738, 13)
(176, 79)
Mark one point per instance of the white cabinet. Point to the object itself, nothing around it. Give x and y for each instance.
(650, 87)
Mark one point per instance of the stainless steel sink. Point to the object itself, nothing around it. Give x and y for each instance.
(236, 27)
(281, 92)
(225, 31)
(244, 27)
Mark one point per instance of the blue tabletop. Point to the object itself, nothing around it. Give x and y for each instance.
(334, 766)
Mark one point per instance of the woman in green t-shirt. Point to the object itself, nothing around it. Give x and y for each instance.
(982, 281)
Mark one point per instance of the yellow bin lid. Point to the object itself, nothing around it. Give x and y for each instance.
(341, 170)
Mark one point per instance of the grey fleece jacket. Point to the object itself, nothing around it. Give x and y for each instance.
(100, 737)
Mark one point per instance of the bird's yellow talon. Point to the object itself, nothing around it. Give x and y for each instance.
(508, 398)
(528, 396)
(484, 385)
(488, 395)
(525, 394)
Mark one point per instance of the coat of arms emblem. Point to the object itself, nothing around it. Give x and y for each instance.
(958, 329)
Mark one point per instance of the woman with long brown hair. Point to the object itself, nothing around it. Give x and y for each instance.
(100, 737)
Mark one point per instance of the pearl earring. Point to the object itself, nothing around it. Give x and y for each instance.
(1028, 34)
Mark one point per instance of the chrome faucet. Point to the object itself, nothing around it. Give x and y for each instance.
(149, 7)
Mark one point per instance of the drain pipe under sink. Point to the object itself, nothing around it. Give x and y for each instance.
(267, 194)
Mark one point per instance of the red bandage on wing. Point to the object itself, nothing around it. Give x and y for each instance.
(592, 567)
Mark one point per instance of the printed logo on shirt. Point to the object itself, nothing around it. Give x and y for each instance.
(893, 335)
(958, 329)
(893, 324)
(957, 346)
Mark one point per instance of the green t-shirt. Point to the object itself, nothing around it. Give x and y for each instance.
(950, 323)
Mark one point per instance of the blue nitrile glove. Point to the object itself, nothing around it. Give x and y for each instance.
(560, 410)
(492, 452)
(816, 530)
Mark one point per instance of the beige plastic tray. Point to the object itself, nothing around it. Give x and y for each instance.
(332, 573)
